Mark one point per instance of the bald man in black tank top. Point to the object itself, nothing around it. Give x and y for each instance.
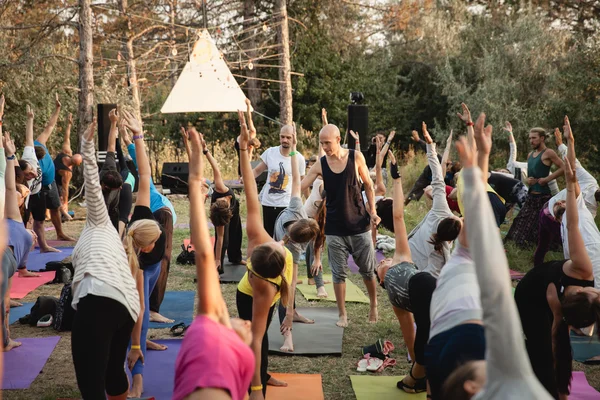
(347, 222)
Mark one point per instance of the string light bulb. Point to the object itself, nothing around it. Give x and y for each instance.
(250, 66)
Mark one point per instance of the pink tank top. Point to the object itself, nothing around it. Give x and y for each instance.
(213, 356)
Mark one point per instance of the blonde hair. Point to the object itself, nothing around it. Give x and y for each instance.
(140, 234)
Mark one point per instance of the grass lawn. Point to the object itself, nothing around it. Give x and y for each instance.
(58, 376)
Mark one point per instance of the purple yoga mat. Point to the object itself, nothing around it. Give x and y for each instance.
(354, 268)
(159, 370)
(37, 260)
(23, 364)
(581, 389)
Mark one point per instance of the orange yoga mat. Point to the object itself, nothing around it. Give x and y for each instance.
(300, 387)
(188, 242)
(21, 287)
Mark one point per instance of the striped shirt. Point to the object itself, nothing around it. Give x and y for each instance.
(99, 252)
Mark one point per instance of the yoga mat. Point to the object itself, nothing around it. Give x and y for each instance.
(21, 287)
(300, 387)
(581, 389)
(159, 370)
(178, 306)
(233, 273)
(318, 339)
(353, 292)
(23, 364)
(585, 347)
(19, 312)
(371, 387)
(37, 261)
(354, 268)
(57, 243)
(516, 275)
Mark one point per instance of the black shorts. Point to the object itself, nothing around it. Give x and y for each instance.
(47, 198)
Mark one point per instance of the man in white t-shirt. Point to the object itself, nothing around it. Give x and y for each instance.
(276, 194)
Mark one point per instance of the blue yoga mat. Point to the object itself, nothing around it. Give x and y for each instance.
(37, 261)
(178, 306)
(19, 312)
(585, 347)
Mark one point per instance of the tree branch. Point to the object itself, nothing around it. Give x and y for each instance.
(147, 30)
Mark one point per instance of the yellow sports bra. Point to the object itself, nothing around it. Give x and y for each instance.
(460, 186)
(245, 287)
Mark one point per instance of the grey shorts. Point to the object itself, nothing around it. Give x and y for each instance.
(361, 248)
(396, 282)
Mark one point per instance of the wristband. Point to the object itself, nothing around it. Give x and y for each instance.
(388, 143)
(10, 157)
(136, 347)
(293, 153)
(205, 152)
(243, 149)
(470, 123)
(256, 388)
(135, 137)
(394, 171)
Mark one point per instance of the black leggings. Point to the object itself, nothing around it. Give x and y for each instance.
(244, 306)
(420, 290)
(125, 203)
(270, 215)
(101, 332)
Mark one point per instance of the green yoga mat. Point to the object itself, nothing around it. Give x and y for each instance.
(353, 292)
(371, 387)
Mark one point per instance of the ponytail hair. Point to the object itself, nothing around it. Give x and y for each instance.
(447, 231)
(284, 289)
(141, 233)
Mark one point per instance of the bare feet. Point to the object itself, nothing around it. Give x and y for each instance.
(343, 321)
(65, 238)
(325, 282)
(373, 315)
(276, 382)
(288, 343)
(311, 281)
(243, 262)
(48, 249)
(11, 345)
(302, 319)
(156, 317)
(321, 292)
(14, 303)
(137, 388)
(150, 345)
(23, 273)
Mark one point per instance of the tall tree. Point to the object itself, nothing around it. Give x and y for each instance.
(286, 112)
(86, 67)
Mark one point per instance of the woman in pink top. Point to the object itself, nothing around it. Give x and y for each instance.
(215, 361)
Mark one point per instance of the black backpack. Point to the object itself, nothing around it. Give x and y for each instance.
(64, 271)
(44, 305)
(63, 320)
(186, 256)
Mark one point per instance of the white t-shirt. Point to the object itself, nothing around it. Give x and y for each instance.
(35, 185)
(315, 195)
(277, 191)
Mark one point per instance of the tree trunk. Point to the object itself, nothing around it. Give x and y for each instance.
(252, 85)
(85, 110)
(286, 113)
(131, 65)
(173, 7)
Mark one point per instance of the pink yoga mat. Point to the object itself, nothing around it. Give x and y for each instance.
(354, 268)
(21, 287)
(516, 275)
(23, 364)
(581, 389)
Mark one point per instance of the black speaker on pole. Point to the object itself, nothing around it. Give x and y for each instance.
(358, 121)
(175, 177)
(104, 125)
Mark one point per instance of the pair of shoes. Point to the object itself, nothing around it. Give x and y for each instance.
(380, 349)
(179, 329)
(373, 364)
(419, 386)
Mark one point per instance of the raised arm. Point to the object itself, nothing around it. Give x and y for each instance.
(29, 128)
(571, 150)
(437, 176)
(483, 140)
(313, 173)
(446, 154)
(466, 118)
(220, 186)
(66, 147)
(356, 140)
(580, 264)
(402, 251)
(43, 138)
(363, 172)
(506, 356)
(254, 227)
(112, 133)
(97, 213)
(380, 188)
(143, 165)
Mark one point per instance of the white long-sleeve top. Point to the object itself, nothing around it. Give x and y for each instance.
(99, 259)
(423, 254)
(513, 164)
(587, 183)
(509, 373)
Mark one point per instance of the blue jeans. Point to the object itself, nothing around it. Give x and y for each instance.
(150, 278)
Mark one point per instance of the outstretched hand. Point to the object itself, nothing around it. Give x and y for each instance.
(70, 119)
(558, 137)
(131, 122)
(9, 146)
(466, 114)
(89, 132)
(2, 102)
(570, 175)
(465, 152)
(186, 143)
(508, 127)
(415, 136)
(324, 116)
(567, 129)
(112, 115)
(57, 101)
(195, 156)
(354, 135)
(426, 136)
(391, 136)
(251, 128)
(30, 114)
(244, 133)
(483, 135)
(449, 140)
(124, 133)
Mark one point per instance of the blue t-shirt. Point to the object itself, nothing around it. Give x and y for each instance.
(47, 166)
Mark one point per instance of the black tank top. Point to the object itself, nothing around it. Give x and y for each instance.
(58, 162)
(346, 212)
